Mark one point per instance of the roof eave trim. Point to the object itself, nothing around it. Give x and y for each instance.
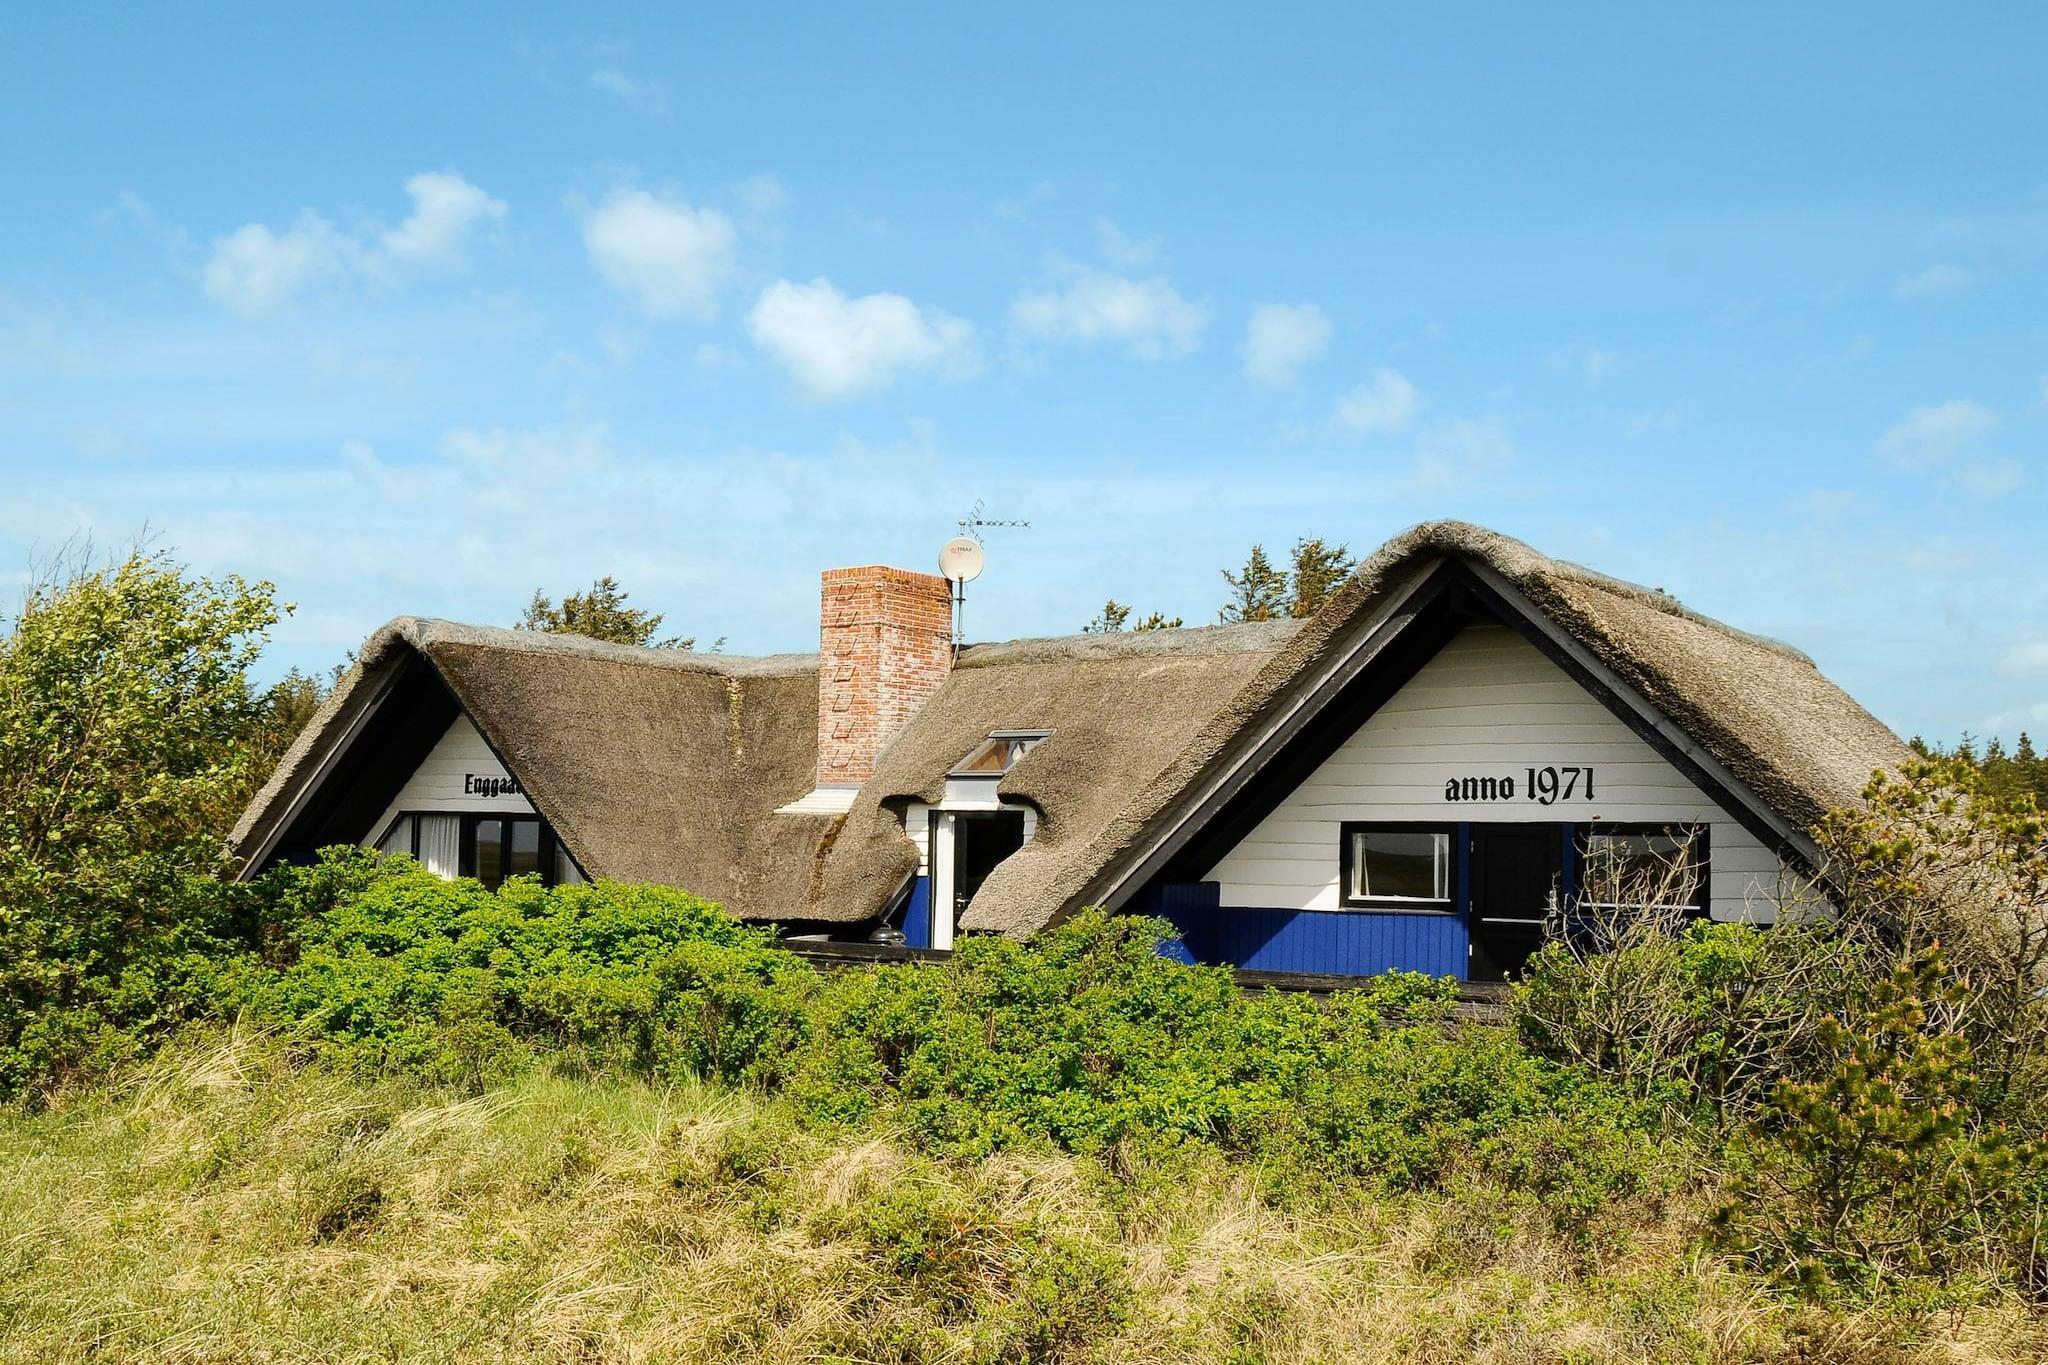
(314, 780)
(1646, 713)
(1114, 885)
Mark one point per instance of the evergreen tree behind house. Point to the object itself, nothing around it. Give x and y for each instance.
(600, 613)
(1262, 591)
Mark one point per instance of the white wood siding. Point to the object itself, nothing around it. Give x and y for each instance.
(1489, 705)
(437, 784)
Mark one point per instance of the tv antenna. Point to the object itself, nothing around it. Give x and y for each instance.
(962, 559)
(974, 522)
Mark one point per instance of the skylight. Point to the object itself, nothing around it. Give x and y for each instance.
(998, 753)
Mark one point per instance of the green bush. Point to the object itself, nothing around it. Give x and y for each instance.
(1707, 1019)
(459, 982)
(1883, 1170)
(123, 701)
(1087, 1038)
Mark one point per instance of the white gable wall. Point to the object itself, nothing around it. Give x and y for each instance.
(1489, 705)
(458, 759)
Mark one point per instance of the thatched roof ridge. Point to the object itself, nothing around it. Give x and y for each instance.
(427, 633)
(1242, 638)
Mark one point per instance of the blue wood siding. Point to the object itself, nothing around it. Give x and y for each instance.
(917, 914)
(1192, 909)
(1347, 943)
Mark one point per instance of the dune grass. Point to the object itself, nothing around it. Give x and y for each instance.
(222, 1204)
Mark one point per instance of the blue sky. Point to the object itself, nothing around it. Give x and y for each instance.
(413, 311)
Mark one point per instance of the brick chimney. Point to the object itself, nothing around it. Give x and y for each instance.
(885, 643)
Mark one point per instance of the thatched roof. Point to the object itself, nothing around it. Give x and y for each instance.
(651, 764)
(1756, 706)
(1120, 708)
(669, 767)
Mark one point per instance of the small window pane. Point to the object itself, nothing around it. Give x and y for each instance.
(1641, 869)
(490, 852)
(996, 755)
(523, 858)
(566, 871)
(993, 756)
(399, 840)
(1400, 865)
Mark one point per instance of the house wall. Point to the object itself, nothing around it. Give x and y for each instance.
(459, 759)
(1490, 704)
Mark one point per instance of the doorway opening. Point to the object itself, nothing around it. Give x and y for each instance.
(970, 845)
(1517, 870)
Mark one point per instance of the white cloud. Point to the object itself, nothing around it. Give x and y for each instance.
(2025, 659)
(647, 96)
(1936, 434)
(1019, 208)
(1947, 439)
(388, 484)
(761, 196)
(1453, 454)
(1149, 316)
(445, 209)
(98, 440)
(836, 347)
(1124, 251)
(670, 257)
(254, 271)
(1935, 281)
(1280, 339)
(1382, 406)
(1991, 478)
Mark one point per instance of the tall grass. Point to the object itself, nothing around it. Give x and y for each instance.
(222, 1203)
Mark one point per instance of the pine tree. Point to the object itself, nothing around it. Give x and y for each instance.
(1258, 592)
(599, 614)
(1319, 570)
(1116, 615)
(1110, 620)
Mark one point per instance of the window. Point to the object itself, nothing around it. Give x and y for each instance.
(489, 848)
(495, 847)
(1643, 867)
(998, 753)
(1397, 867)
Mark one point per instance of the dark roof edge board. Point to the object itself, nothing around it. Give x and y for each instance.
(1182, 821)
(579, 856)
(1776, 831)
(1249, 750)
(304, 783)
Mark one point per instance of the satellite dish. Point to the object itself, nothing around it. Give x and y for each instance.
(960, 559)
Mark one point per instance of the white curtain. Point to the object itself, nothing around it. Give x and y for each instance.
(441, 844)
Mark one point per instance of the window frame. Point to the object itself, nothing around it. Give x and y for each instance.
(552, 849)
(1698, 832)
(465, 857)
(1448, 905)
